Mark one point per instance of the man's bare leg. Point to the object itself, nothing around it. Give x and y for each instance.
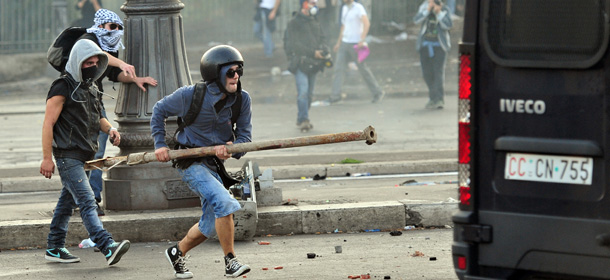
(193, 238)
(225, 229)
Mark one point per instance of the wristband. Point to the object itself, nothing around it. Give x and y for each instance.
(111, 129)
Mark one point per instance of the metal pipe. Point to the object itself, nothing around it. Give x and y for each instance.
(368, 134)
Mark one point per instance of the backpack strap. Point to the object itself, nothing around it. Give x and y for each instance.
(191, 114)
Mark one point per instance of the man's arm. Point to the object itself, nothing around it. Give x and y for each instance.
(422, 13)
(112, 132)
(366, 25)
(54, 106)
(96, 4)
(139, 81)
(128, 69)
(274, 10)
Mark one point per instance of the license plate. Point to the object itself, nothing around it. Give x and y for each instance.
(553, 169)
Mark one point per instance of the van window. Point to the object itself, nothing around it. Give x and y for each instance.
(546, 33)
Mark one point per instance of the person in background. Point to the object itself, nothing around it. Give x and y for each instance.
(433, 44)
(69, 134)
(106, 32)
(264, 23)
(327, 16)
(221, 70)
(87, 10)
(354, 28)
(304, 38)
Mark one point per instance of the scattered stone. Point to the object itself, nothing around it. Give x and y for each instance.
(417, 254)
(338, 249)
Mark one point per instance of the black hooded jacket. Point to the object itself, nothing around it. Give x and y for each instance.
(76, 130)
(303, 36)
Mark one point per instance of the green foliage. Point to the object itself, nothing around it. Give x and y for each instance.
(350, 161)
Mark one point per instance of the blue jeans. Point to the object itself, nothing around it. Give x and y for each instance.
(95, 176)
(76, 191)
(305, 85)
(216, 201)
(262, 31)
(433, 69)
(346, 54)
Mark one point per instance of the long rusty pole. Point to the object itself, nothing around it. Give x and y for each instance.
(368, 135)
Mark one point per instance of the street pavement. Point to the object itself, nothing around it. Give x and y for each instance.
(415, 254)
(411, 140)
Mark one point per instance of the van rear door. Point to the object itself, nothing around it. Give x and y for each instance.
(539, 126)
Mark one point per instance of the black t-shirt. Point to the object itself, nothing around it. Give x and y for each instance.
(60, 88)
(431, 28)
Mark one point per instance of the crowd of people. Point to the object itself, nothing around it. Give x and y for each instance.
(75, 127)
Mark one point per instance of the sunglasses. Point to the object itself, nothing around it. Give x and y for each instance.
(114, 26)
(231, 72)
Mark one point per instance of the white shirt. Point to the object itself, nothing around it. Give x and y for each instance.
(351, 19)
(267, 4)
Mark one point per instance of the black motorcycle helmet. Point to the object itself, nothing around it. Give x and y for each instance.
(217, 57)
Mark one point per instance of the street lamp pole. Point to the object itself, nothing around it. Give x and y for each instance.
(154, 40)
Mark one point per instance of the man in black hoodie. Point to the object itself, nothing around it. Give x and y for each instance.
(71, 125)
(305, 48)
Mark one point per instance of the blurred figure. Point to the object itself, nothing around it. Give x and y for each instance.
(87, 10)
(354, 28)
(327, 16)
(264, 23)
(107, 32)
(433, 45)
(304, 43)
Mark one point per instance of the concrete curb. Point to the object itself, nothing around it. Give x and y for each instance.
(274, 220)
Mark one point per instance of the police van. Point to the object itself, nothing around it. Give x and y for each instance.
(534, 140)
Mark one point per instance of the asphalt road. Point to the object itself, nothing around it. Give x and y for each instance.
(416, 254)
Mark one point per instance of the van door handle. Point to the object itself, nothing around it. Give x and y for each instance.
(603, 239)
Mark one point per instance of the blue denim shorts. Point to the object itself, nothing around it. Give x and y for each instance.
(216, 201)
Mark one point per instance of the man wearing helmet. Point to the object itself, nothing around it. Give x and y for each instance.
(221, 68)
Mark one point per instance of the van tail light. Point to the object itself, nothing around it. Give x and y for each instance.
(464, 137)
(462, 262)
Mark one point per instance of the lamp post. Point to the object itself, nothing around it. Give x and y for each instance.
(154, 40)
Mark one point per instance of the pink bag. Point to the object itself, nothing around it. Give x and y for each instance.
(363, 52)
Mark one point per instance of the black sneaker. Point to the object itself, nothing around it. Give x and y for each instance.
(115, 251)
(61, 255)
(233, 268)
(175, 258)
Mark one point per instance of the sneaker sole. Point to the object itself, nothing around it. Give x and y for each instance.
(176, 274)
(243, 270)
(54, 259)
(121, 250)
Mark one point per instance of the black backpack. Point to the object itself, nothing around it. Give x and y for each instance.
(59, 51)
(198, 96)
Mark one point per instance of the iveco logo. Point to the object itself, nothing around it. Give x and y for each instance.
(522, 106)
